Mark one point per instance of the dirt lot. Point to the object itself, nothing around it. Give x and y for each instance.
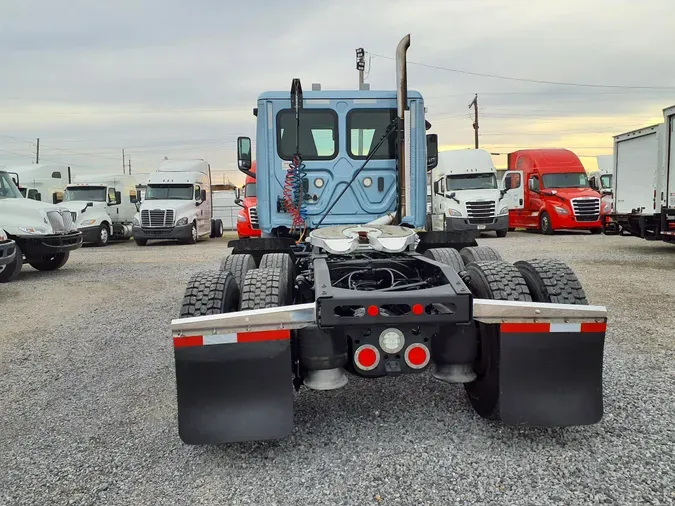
(88, 400)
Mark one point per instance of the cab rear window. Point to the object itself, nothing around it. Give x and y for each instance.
(318, 134)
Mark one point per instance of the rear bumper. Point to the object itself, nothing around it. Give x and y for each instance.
(7, 252)
(180, 232)
(41, 245)
(460, 224)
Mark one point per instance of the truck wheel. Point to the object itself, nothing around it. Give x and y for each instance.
(140, 242)
(545, 224)
(219, 228)
(501, 233)
(194, 235)
(283, 262)
(447, 256)
(551, 281)
(263, 288)
(210, 292)
(595, 231)
(238, 265)
(50, 263)
(497, 281)
(103, 235)
(480, 254)
(11, 270)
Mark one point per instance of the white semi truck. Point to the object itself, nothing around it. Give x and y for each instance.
(42, 181)
(637, 183)
(465, 195)
(177, 204)
(102, 206)
(44, 234)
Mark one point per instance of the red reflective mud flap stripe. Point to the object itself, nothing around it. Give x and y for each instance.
(268, 335)
(524, 327)
(241, 337)
(594, 327)
(184, 342)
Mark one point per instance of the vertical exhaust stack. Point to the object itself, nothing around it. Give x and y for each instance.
(402, 107)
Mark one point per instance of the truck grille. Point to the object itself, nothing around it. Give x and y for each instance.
(60, 221)
(253, 216)
(586, 208)
(480, 212)
(157, 218)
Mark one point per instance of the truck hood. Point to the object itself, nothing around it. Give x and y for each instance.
(476, 195)
(570, 193)
(26, 213)
(177, 206)
(76, 206)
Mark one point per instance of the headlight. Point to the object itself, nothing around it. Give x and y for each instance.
(561, 210)
(135, 221)
(454, 212)
(182, 221)
(241, 217)
(3, 237)
(87, 222)
(33, 230)
(607, 207)
(504, 210)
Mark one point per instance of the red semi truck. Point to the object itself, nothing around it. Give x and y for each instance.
(247, 219)
(548, 190)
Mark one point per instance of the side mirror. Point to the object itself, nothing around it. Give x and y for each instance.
(530, 185)
(432, 151)
(118, 198)
(38, 196)
(450, 195)
(593, 184)
(90, 204)
(237, 193)
(203, 196)
(138, 205)
(244, 159)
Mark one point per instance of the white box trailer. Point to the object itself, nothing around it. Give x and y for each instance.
(667, 192)
(637, 182)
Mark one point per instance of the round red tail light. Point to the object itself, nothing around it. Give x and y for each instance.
(418, 309)
(373, 310)
(417, 356)
(366, 357)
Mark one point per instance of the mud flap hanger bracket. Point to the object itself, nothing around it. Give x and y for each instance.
(305, 316)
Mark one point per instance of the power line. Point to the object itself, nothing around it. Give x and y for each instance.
(526, 80)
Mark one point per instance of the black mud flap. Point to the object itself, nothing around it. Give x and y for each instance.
(454, 239)
(234, 392)
(551, 378)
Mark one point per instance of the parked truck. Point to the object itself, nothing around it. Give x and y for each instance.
(666, 189)
(44, 234)
(637, 183)
(548, 190)
(465, 193)
(42, 181)
(247, 218)
(103, 206)
(177, 204)
(342, 286)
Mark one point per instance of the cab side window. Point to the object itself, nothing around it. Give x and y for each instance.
(111, 195)
(514, 179)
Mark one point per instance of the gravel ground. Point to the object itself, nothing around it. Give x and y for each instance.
(87, 396)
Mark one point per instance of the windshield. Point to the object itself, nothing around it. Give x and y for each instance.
(606, 181)
(8, 189)
(86, 193)
(485, 181)
(169, 192)
(566, 180)
(249, 190)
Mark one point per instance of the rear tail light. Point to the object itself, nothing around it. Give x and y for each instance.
(417, 356)
(366, 357)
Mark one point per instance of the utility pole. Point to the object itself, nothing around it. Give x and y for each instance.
(361, 67)
(123, 162)
(37, 152)
(129, 165)
(474, 104)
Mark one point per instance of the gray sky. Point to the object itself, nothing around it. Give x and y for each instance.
(180, 79)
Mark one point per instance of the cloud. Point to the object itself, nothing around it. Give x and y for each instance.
(175, 78)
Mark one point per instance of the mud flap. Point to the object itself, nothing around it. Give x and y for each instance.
(234, 392)
(551, 378)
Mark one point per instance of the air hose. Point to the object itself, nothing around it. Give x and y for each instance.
(294, 198)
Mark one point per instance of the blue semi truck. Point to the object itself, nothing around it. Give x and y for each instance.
(345, 280)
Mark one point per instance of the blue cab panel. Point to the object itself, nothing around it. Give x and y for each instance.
(337, 131)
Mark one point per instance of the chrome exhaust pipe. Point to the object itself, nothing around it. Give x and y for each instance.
(402, 107)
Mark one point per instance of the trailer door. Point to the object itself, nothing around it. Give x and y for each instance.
(636, 172)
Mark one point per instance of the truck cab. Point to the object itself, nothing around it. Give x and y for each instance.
(44, 234)
(465, 194)
(103, 207)
(247, 219)
(177, 204)
(43, 181)
(548, 190)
